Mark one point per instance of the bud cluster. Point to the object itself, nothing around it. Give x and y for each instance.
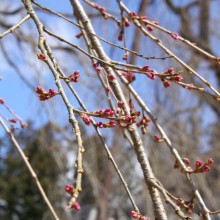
(74, 77)
(143, 123)
(129, 76)
(137, 215)
(105, 113)
(70, 190)
(149, 72)
(44, 95)
(171, 76)
(200, 167)
(87, 119)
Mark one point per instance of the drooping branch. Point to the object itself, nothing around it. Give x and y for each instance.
(143, 160)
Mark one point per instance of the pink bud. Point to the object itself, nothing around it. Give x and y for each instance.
(166, 84)
(101, 9)
(120, 36)
(99, 124)
(78, 35)
(13, 120)
(121, 103)
(145, 68)
(206, 168)
(111, 77)
(112, 123)
(151, 75)
(171, 70)
(69, 188)
(126, 22)
(107, 89)
(133, 14)
(40, 90)
(95, 64)
(150, 28)
(210, 160)
(98, 69)
(186, 161)
(52, 92)
(134, 214)
(2, 101)
(41, 56)
(175, 36)
(76, 206)
(156, 22)
(157, 138)
(177, 78)
(198, 163)
(143, 17)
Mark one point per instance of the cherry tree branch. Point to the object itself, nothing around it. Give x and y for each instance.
(143, 160)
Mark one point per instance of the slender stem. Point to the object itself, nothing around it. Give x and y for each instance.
(10, 30)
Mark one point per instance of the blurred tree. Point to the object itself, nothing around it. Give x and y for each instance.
(19, 197)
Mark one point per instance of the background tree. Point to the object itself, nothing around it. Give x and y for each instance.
(19, 196)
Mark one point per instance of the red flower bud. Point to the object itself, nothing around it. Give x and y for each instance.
(143, 17)
(111, 77)
(40, 90)
(186, 161)
(171, 70)
(13, 120)
(52, 92)
(177, 78)
(121, 103)
(126, 22)
(99, 124)
(95, 64)
(78, 35)
(134, 214)
(69, 188)
(175, 36)
(98, 69)
(2, 101)
(76, 206)
(210, 160)
(41, 56)
(120, 36)
(157, 138)
(198, 163)
(166, 84)
(156, 22)
(206, 167)
(133, 14)
(150, 28)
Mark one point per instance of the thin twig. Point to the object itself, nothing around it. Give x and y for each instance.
(10, 30)
(101, 38)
